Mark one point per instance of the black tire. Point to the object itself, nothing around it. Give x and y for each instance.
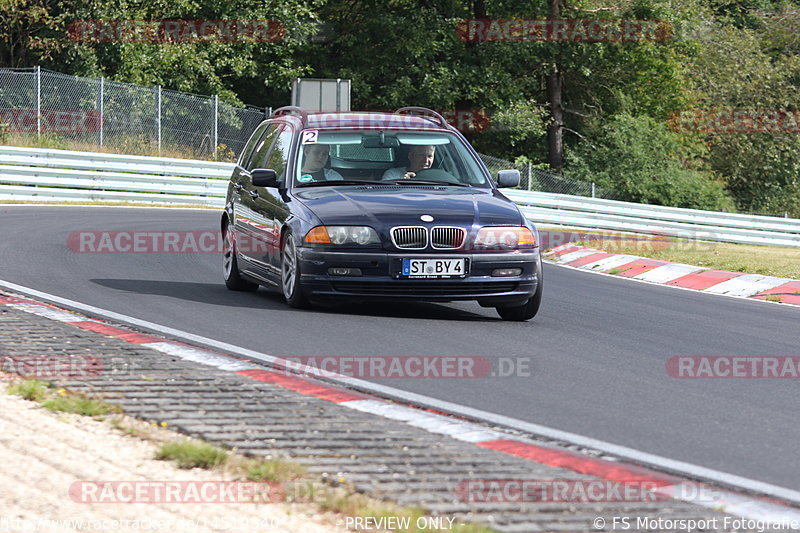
(527, 310)
(291, 274)
(230, 266)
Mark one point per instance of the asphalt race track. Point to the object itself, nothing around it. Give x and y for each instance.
(598, 348)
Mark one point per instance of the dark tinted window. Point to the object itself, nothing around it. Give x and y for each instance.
(247, 152)
(262, 149)
(278, 157)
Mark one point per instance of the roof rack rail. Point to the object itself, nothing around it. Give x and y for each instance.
(425, 113)
(291, 110)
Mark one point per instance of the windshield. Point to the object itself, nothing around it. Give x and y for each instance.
(385, 157)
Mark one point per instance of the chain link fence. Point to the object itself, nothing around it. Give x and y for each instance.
(130, 118)
(123, 116)
(535, 179)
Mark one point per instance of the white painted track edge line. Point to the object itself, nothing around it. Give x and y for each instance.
(672, 465)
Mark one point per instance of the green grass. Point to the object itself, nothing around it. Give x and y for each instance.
(130, 145)
(61, 400)
(752, 259)
(79, 404)
(29, 389)
(192, 454)
(274, 470)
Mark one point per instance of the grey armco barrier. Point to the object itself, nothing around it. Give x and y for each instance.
(32, 174)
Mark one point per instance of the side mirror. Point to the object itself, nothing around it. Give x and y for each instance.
(508, 178)
(264, 177)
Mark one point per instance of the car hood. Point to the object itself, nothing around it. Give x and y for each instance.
(388, 206)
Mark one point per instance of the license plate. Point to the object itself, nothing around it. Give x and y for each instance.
(434, 268)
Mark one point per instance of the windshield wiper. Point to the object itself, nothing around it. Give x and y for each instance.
(341, 182)
(414, 181)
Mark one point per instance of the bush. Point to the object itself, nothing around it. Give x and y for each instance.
(646, 162)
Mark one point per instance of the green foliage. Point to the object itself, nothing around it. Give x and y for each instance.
(741, 69)
(724, 54)
(642, 159)
(79, 404)
(192, 454)
(29, 389)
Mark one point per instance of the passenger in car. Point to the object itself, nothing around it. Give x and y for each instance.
(315, 157)
(420, 157)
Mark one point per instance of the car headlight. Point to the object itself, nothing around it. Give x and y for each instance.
(340, 235)
(504, 238)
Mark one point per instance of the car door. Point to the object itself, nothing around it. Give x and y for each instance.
(248, 222)
(270, 202)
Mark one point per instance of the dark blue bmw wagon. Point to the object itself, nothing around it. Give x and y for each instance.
(333, 206)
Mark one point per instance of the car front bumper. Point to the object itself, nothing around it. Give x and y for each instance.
(381, 278)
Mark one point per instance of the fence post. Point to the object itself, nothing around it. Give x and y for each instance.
(592, 189)
(530, 175)
(216, 126)
(38, 101)
(101, 89)
(158, 117)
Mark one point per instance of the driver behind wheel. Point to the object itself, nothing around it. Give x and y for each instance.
(315, 157)
(420, 157)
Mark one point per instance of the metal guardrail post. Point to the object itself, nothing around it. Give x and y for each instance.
(38, 101)
(592, 189)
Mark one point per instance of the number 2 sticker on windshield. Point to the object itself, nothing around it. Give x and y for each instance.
(310, 136)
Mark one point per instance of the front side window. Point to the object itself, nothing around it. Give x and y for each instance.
(278, 157)
(259, 157)
(386, 156)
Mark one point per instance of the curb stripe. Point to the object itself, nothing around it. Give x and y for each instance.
(622, 472)
(113, 331)
(667, 272)
(639, 266)
(587, 259)
(703, 280)
(722, 282)
(573, 256)
(303, 386)
(747, 285)
(46, 311)
(610, 263)
(788, 292)
(198, 355)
